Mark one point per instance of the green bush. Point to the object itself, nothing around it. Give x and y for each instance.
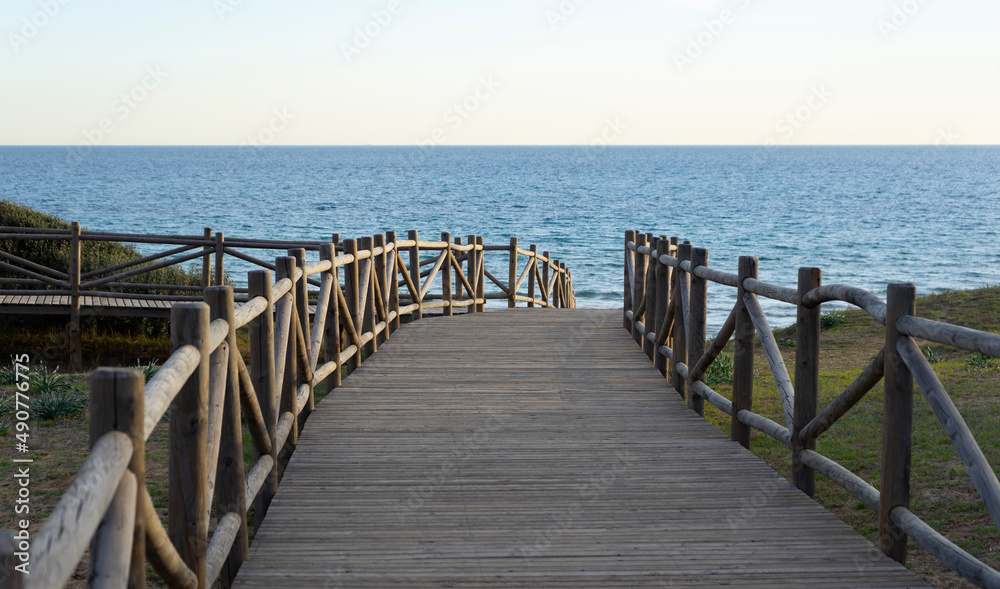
(720, 371)
(831, 319)
(932, 356)
(60, 405)
(44, 382)
(8, 375)
(147, 370)
(981, 361)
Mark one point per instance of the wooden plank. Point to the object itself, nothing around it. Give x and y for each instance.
(526, 459)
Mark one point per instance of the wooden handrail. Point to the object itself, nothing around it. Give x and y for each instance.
(646, 307)
(209, 386)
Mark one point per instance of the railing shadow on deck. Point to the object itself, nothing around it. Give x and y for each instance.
(666, 284)
(208, 389)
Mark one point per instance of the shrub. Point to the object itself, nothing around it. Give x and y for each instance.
(46, 383)
(59, 405)
(148, 370)
(720, 371)
(8, 375)
(981, 361)
(831, 319)
(932, 356)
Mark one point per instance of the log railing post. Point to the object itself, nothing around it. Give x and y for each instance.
(117, 403)
(392, 284)
(512, 275)
(662, 300)
(546, 295)
(446, 294)
(564, 293)
(531, 275)
(301, 290)
(458, 272)
(288, 395)
(415, 272)
(74, 330)
(480, 273)
(379, 270)
(188, 485)
(230, 478)
(680, 350)
(206, 260)
(638, 286)
(220, 258)
(352, 274)
(368, 317)
(897, 424)
(807, 328)
(647, 345)
(697, 320)
(262, 373)
(473, 272)
(557, 300)
(744, 342)
(629, 261)
(331, 329)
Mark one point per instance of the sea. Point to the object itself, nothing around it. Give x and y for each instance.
(868, 216)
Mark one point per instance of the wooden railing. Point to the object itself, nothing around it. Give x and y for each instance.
(666, 286)
(548, 282)
(208, 389)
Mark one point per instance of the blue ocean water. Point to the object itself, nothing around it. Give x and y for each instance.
(867, 215)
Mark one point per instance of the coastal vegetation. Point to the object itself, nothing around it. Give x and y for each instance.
(941, 492)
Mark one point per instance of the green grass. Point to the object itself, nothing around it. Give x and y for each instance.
(941, 492)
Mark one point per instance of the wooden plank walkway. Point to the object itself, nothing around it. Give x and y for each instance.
(532, 448)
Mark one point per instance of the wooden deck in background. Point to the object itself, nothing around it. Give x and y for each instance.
(532, 448)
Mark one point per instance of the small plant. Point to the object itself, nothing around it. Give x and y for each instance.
(981, 361)
(831, 319)
(46, 383)
(59, 405)
(6, 405)
(720, 371)
(786, 343)
(148, 371)
(4, 428)
(932, 356)
(8, 375)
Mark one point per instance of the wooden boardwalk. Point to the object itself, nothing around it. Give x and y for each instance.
(531, 448)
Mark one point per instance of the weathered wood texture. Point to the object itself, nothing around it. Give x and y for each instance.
(526, 459)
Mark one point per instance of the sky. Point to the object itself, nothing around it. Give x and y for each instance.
(499, 72)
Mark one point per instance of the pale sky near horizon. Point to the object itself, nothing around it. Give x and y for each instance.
(550, 72)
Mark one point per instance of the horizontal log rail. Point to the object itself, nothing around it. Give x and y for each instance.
(297, 343)
(665, 310)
